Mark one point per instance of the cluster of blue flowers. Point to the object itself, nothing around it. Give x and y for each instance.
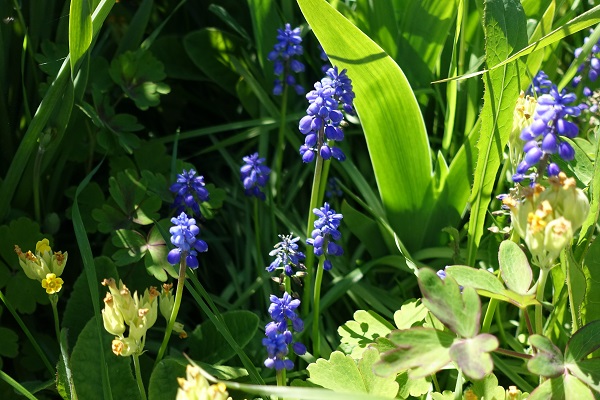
(283, 55)
(545, 136)
(278, 335)
(189, 191)
(183, 236)
(254, 175)
(591, 65)
(325, 234)
(325, 67)
(287, 256)
(324, 117)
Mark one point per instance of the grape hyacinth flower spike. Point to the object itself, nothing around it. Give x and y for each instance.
(322, 124)
(287, 255)
(325, 234)
(545, 136)
(278, 336)
(283, 55)
(189, 191)
(254, 175)
(184, 231)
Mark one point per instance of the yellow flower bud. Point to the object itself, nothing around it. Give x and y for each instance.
(112, 318)
(558, 234)
(196, 387)
(166, 301)
(52, 284)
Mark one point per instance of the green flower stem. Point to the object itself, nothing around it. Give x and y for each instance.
(54, 302)
(316, 337)
(178, 295)
(458, 393)
(314, 200)
(541, 284)
(489, 315)
(32, 340)
(281, 140)
(138, 376)
(436, 385)
(574, 319)
(260, 267)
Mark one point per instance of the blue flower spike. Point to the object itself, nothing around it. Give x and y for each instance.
(254, 175)
(322, 124)
(325, 234)
(287, 256)
(183, 236)
(189, 192)
(284, 56)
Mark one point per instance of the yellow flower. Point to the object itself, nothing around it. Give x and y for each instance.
(196, 387)
(43, 246)
(52, 284)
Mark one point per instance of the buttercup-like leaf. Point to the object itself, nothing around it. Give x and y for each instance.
(366, 327)
(548, 361)
(472, 355)
(412, 311)
(459, 311)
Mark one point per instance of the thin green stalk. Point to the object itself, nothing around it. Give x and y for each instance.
(32, 340)
(174, 311)
(574, 319)
(260, 267)
(458, 387)
(138, 376)
(436, 385)
(541, 284)
(314, 200)
(316, 337)
(489, 315)
(280, 149)
(54, 302)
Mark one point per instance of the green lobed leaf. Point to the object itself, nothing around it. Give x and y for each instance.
(460, 311)
(505, 32)
(412, 312)
(583, 342)
(422, 350)
(548, 360)
(208, 344)
(472, 355)
(163, 381)
(514, 267)
(590, 309)
(564, 387)
(415, 387)
(390, 117)
(487, 388)
(342, 374)
(366, 327)
(9, 340)
(86, 368)
(588, 371)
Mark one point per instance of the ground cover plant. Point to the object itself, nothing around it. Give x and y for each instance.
(342, 199)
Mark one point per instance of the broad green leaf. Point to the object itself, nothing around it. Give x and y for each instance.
(86, 368)
(472, 355)
(423, 351)
(458, 310)
(79, 307)
(208, 344)
(585, 341)
(590, 310)
(415, 387)
(366, 327)
(505, 32)
(342, 374)
(412, 312)
(564, 387)
(265, 22)
(548, 360)
(211, 50)
(514, 267)
(163, 381)
(9, 339)
(378, 20)
(24, 294)
(588, 371)
(80, 32)
(390, 117)
(487, 388)
(365, 229)
(24, 233)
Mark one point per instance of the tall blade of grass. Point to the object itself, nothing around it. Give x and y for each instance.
(265, 22)
(390, 116)
(137, 27)
(38, 123)
(90, 267)
(16, 385)
(505, 32)
(147, 43)
(80, 32)
(378, 20)
(534, 60)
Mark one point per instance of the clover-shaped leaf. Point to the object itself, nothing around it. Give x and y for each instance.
(342, 374)
(459, 311)
(472, 355)
(548, 360)
(585, 341)
(487, 388)
(412, 311)
(422, 350)
(564, 387)
(139, 74)
(487, 284)
(132, 244)
(514, 267)
(366, 327)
